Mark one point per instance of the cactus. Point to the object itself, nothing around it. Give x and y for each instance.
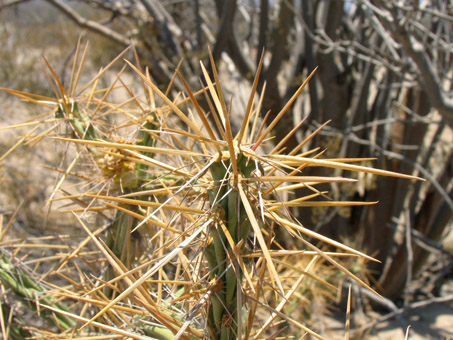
(189, 248)
(31, 292)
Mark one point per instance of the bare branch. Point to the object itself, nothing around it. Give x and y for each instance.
(400, 311)
(418, 54)
(196, 9)
(89, 24)
(349, 135)
(264, 23)
(226, 10)
(280, 37)
(387, 303)
(171, 31)
(430, 81)
(9, 3)
(227, 40)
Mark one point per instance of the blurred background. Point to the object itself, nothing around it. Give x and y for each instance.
(384, 82)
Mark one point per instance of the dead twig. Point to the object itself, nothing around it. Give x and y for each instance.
(397, 312)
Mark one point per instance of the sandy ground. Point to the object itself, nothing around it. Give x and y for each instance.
(431, 322)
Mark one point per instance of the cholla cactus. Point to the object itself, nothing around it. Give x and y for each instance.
(190, 250)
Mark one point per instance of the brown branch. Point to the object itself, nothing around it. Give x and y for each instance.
(89, 24)
(226, 11)
(227, 41)
(349, 134)
(9, 3)
(410, 258)
(280, 39)
(387, 303)
(306, 19)
(159, 13)
(196, 9)
(244, 65)
(429, 79)
(399, 311)
(263, 28)
(171, 31)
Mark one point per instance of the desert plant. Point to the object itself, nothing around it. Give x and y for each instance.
(384, 74)
(28, 290)
(189, 248)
